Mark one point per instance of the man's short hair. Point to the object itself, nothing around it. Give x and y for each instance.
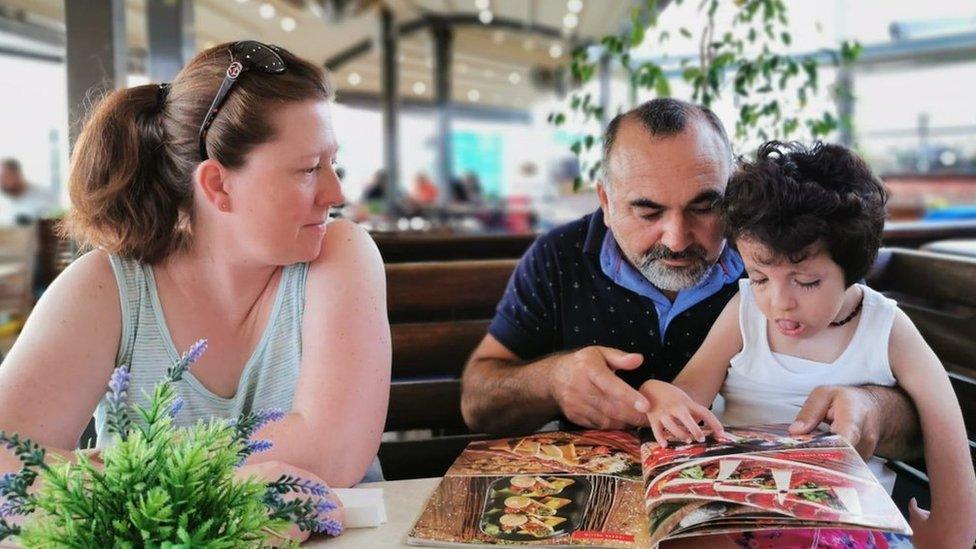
(12, 164)
(661, 117)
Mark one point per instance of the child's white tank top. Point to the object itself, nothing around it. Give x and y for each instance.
(767, 387)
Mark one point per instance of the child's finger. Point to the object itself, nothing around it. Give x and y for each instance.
(675, 429)
(915, 512)
(658, 434)
(710, 420)
(691, 424)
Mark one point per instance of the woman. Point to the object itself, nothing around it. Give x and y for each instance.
(206, 210)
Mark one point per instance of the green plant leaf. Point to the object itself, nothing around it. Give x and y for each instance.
(636, 27)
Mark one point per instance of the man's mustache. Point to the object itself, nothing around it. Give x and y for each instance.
(661, 251)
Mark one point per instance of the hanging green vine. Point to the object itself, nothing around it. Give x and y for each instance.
(772, 90)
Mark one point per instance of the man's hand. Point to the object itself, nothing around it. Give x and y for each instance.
(590, 395)
(674, 412)
(852, 412)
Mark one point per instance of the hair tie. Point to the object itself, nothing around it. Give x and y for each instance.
(162, 93)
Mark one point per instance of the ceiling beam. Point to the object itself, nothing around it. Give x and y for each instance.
(364, 46)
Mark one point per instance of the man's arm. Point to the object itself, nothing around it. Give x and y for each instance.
(900, 432)
(876, 420)
(500, 393)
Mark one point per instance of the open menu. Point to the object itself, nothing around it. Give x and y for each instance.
(622, 489)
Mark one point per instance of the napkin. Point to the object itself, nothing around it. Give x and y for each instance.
(364, 507)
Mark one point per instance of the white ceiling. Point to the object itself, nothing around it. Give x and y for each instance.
(490, 66)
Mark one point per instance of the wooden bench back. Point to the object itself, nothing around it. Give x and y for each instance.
(439, 313)
(446, 290)
(404, 248)
(938, 292)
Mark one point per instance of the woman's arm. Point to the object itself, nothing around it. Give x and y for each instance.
(947, 460)
(339, 411)
(61, 362)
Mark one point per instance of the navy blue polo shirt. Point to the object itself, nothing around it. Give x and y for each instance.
(560, 298)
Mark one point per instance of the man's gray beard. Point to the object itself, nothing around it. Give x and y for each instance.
(672, 279)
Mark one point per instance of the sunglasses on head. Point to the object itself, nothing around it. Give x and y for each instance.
(244, 56)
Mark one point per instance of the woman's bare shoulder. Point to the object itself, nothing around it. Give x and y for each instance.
(347, 246)
(81, 310)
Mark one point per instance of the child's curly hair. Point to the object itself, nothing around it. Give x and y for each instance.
(792, 197)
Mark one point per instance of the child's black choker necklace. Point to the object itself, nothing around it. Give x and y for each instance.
(851, 316)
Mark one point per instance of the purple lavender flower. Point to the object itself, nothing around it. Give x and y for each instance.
(325, 506)
(328, 526)
(306, 486)
(266, 416)
(195, 352)
(5, 481)
(118, 385)
(177, 406)
(8, 509)
(255, 446)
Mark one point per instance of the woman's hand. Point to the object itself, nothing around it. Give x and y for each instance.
(270, 471)
(674, 412)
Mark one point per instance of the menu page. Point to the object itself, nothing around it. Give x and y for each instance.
(762, 478)
(547, 489)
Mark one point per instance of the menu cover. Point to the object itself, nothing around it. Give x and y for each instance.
(621, 489)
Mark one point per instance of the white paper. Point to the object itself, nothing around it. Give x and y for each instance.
(364, 507)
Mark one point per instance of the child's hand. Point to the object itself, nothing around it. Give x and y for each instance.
(929, 532)
(672, 410)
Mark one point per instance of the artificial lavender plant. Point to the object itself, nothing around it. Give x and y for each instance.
(159, 485)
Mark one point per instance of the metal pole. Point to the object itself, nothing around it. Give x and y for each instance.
(170, 29)
(95, 55)
(389, 84)
(443, 43)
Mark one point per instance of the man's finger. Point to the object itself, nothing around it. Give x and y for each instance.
(599, 419)
(619, 360)
(617, 391)
(624, 416)
(813, 412)
(847, 424)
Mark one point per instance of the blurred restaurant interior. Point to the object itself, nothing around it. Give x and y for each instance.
(452, 155)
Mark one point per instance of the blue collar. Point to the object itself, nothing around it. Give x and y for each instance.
(728, 268)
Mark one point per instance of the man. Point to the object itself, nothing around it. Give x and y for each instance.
(22, 202)
(600, 305)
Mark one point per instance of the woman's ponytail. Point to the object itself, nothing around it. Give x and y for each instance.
(127, 192)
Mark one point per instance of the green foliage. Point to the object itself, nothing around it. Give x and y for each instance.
(160, 487)
(771, 89)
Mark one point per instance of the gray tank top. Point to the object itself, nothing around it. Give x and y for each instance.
(268, 380)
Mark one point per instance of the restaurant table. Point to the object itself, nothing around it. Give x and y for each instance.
(954, 247)
(404, 501)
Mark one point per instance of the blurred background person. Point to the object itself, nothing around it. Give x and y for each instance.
(424, 192)
(22, 202)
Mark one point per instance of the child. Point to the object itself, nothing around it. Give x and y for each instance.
(808, 225)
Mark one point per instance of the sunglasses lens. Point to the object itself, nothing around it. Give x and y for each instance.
(258, 56)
